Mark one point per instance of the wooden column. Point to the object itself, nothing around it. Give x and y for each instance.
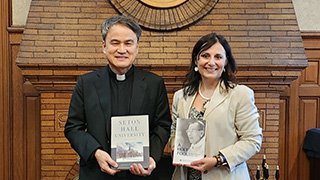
(26, 136)
(32, 135)
(5, 125)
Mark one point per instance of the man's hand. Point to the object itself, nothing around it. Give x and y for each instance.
(105, 161)
(138, 170)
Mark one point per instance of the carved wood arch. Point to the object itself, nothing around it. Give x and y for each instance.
(168, 18)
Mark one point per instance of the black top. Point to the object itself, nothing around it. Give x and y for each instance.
(88, 124)
(120, 92)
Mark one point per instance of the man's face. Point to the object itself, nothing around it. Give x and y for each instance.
(121, 48)
(194, 133)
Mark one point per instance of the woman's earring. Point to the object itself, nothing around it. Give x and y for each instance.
(196, 68)
(224, 70)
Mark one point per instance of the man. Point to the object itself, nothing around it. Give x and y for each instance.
(116, 90)
(195, 133)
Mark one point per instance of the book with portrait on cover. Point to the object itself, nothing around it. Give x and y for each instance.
(189, 140)
(130, 140)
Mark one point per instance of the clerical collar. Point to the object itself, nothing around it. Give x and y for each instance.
(120, 77)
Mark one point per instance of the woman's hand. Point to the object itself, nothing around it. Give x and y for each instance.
(175, 164)
(204, 164)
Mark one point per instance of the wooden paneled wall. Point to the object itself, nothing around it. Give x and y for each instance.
(54, 105)
(297, 107)
(286, 116)
(299, 112)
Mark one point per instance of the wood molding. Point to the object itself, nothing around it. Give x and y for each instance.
(283, 139)
(15, 29)
(26, 135)
(62, 77)
(310, 34)
(5, 103)
(32, 131)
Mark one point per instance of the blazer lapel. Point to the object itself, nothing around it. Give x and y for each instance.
(217, 98)
(187, 105)
(103, 89)
(139, 88)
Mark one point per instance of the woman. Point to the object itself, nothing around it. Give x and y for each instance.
(210, 93)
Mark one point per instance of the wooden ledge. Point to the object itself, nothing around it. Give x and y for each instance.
(62, 77)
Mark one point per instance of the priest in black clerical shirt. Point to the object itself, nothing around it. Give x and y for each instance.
(121, 91)
(120, 88)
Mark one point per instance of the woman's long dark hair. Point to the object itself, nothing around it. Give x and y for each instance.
(193, 78)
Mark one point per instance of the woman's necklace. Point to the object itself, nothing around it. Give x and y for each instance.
(203, 95)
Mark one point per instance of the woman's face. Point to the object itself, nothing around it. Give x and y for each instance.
(211, 62)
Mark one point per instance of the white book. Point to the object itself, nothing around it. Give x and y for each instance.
(130, 140)
(189, 140)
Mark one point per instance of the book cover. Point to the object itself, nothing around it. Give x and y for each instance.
(130, 140)
(189, 141)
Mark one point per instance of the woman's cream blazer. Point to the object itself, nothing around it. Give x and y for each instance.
(232, 129)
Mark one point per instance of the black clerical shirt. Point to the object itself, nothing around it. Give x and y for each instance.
(121, 91)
